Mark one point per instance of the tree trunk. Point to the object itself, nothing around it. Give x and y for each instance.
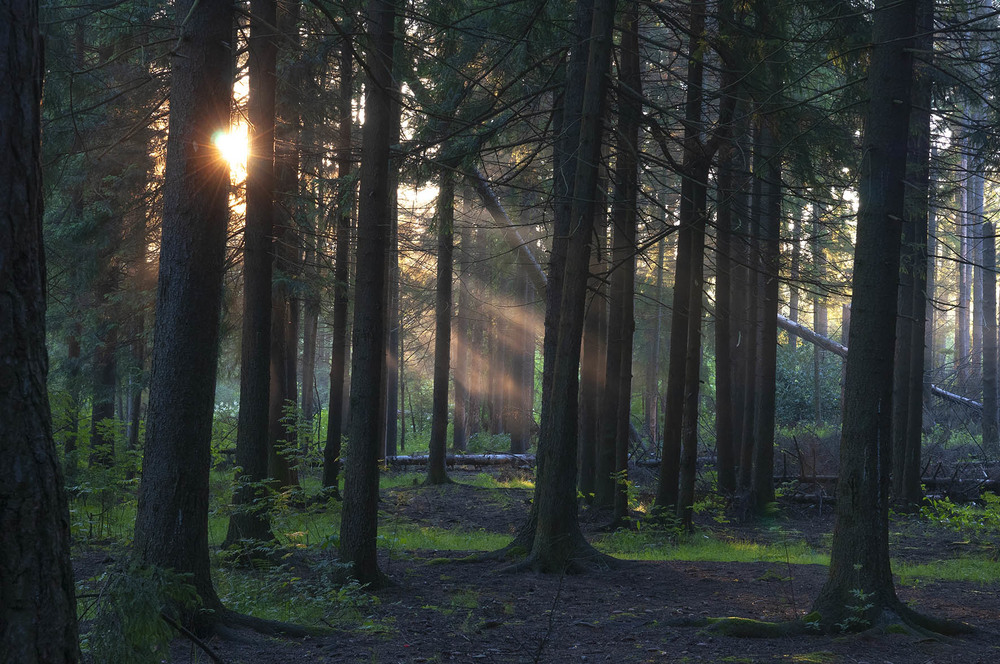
(523, 350)
(73, 386)
(460, 435)
(558, 544)
(437, 472)
(793, 274)
(392, 344)
(171, 527)
(250, 520)
(859, 561)
(908, 388)
(676, 484)
(522, 366)
(962, 357)
(102, 413)
(819, 312)
(592, 385)
(624, 216)
(38, 623)
(991, 434)
(342, 271)
(359, 517)
(651, 398)
(762, 483)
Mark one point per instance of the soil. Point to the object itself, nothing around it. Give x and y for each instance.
(443, 608)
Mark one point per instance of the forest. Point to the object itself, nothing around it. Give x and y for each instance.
(499, 330)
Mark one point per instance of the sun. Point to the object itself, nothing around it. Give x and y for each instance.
(234, 147)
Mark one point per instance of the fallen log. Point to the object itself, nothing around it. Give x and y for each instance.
(526, 460)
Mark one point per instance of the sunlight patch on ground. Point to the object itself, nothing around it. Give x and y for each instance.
(657, 546)
(976, 570)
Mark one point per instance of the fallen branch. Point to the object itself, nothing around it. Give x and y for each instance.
(190, 636)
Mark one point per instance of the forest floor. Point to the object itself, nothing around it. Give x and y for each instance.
(442, 608)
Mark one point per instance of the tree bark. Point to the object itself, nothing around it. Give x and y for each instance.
(437, 472)
(762, 483)
(558, 544)
(592, 385)
(624, 217)
(676, 486)
(908, 388)
(359, 517)
(651, 397)
(819, 312)
(171, 528)
(460, 435)
(726, 450)
(285, 305)
(962, 354)
(859, 561)
(250, 520)
(342, 271)
(38, 623)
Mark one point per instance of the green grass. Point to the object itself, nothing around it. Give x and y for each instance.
(488, 481)
(410, 537)
(966, 568)
(698, 548)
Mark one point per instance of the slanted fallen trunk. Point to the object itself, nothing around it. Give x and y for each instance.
(828, 344)
(513, 237)
(536, 274)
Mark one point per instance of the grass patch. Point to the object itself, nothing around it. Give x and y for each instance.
(656, 546)
(393, 480)
(409, 537)
(488, 481)
(966, 568)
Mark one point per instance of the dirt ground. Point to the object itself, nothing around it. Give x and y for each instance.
(443, 609)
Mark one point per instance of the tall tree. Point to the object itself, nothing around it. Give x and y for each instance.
(359, 518)
(171, 527)
(859, 561)
(284, 300)
(460, 436)
(625, 216)
(908, 385)
(768, 169)
(250, 520)
(557, 543)
(342, 267)
(437, 472)
(38, 621)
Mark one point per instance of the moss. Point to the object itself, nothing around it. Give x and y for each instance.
(750, 628)
(819, 657)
